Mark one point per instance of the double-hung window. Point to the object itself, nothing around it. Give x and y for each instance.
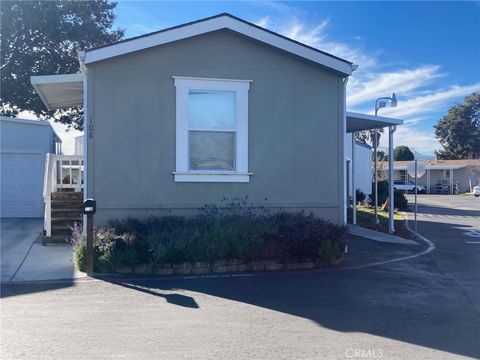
(211, 130)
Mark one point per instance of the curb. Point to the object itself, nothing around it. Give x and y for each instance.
(430, 247)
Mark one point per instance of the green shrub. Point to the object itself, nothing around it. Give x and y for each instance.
(80, 256)
(382, 192)
(399, 197)
(329, 251)
(232, 231)
(360, 196)
(400, 201)
(113, 251)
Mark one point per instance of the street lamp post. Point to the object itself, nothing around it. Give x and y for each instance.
(381, 102)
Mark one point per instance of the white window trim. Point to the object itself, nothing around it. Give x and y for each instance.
(240, 87)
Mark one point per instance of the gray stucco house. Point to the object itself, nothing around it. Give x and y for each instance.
(214, 108)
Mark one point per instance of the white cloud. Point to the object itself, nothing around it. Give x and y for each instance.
(263, 22)
(431, 103)
(404, 82)
(315, 36)
(422, 141)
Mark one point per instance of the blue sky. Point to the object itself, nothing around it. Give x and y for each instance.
(427, 52)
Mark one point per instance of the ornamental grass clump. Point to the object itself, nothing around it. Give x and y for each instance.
(79, 244)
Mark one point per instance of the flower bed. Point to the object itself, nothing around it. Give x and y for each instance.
(231, 238)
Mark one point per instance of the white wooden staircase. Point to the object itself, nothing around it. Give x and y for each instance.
(63, 196)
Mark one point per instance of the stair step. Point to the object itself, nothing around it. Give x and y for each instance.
(54, 240)
(67, 213)
(61, 231)
(67, 207)
(64, 222)
(67, 196)
(75, 202)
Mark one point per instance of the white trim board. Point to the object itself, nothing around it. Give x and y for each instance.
(219, 22)
(182, 172)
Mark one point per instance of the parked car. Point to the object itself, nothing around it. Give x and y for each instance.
(476, 191)
(407, 186)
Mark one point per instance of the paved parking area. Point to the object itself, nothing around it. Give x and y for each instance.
(452, 221)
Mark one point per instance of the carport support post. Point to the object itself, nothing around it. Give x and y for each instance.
(391, 207)
(89, 244)
(354, 192)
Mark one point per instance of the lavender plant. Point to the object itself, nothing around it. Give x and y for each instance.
(77, 234)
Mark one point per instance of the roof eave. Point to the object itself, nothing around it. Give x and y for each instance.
(219, 22)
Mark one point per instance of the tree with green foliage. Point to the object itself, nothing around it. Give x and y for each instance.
(402, 153)
(381, 156)
(459, 130)
(367, 136)
(42, 38)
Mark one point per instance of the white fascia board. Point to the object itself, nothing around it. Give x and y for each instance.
(373, 118)
(213, 24)
(55, 79)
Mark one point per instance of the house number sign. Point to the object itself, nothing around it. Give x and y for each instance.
(90, 128)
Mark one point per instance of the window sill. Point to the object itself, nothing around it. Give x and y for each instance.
(216, 176)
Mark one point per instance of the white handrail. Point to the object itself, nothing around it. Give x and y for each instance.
(47, 189)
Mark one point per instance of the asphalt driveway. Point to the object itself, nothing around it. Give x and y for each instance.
(16, 239)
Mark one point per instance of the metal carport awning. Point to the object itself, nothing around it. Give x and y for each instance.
(361, 122)
(59, 91)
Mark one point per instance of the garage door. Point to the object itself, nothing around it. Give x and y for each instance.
(21, 185)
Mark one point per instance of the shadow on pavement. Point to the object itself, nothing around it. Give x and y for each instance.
(24, 288)
(407, 301)
(174, 299)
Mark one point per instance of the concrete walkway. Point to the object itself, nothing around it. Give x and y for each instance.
(379, 236)
(53, 262)
(16, 239)
(24, 258)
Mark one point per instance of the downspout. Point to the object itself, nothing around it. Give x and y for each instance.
(391, 224)
(344, 116)
(83, 69)
(354, 190)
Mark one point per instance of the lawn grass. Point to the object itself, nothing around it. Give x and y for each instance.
(366, 219)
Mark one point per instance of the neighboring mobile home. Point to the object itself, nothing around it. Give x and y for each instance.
(214, 108)
(362, 166)
(443, 176)
(24, 145)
